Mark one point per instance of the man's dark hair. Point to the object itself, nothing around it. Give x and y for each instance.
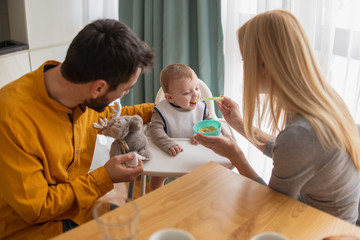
(106, 49)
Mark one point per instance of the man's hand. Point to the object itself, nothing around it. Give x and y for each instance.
(117, 170)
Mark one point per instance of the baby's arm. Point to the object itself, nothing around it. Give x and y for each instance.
(160, 138)
(174, 150)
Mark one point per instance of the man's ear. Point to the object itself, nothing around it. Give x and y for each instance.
(98, 88)
(169, 98)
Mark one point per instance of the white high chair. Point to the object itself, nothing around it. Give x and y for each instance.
(162, 164)
(205, 93)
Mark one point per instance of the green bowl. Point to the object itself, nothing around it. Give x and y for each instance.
(208, 123)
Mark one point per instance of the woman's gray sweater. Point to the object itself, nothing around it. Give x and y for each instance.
(304, 170)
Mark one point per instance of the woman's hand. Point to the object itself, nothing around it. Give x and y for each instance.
(227, 147)
(231, 113)
(193, 140)
(223, 145)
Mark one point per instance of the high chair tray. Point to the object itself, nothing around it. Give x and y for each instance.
(193, 156)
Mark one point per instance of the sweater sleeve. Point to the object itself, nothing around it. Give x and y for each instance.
(269, 147)
(158, 134)
(293, 161)
(143, 110)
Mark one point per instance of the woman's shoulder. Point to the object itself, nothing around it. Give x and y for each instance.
(299, 129)
(298, 146)
(299, 121)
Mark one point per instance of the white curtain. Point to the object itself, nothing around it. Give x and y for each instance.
(98, 9)
(333, 28)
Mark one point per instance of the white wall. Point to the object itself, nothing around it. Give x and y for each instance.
(48, 27)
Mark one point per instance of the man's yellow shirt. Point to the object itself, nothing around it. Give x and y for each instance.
(46, 151)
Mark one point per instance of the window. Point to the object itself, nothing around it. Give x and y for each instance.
(333, 29)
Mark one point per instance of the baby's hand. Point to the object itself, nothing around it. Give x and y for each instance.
(193, 140)
(174, 150)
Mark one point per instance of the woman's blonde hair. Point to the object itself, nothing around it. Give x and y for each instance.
(276, 40)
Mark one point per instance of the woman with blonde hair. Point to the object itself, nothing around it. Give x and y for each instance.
(316, 151)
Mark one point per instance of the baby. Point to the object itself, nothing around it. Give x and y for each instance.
(175, 116)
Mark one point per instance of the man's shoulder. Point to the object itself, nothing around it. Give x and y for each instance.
(20, 96)
(17, 92)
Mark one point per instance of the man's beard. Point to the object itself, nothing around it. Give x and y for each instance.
(98, 104)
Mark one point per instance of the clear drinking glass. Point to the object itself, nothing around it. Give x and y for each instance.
(119, 224)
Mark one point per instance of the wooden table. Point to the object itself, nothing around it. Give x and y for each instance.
(213, 202)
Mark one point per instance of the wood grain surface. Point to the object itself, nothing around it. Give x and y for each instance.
(212, 202)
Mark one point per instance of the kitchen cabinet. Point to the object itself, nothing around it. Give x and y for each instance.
(44, 23)
(13, 66)
(39, 56)
(46, 26)
(52, 22)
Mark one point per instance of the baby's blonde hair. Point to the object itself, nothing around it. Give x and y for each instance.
(277, 40)
(173, 72)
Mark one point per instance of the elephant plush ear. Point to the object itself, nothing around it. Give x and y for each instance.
(135, 123)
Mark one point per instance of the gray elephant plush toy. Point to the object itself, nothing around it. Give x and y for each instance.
(128, 134)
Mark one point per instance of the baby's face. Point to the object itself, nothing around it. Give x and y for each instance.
(183, 92)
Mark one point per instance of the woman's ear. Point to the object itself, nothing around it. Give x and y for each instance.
(98, 88)
(169, 98)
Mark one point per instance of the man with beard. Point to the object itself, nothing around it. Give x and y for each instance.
(46, 135)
